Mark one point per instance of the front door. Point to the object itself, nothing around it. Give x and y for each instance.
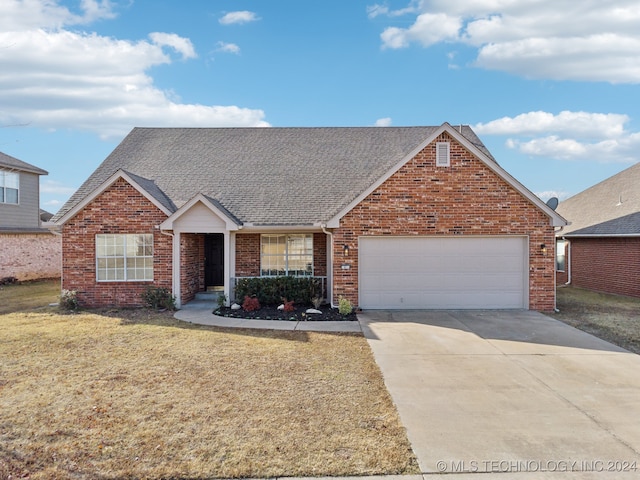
(214, 260)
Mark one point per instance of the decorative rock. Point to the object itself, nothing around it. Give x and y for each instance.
(235, 306)
(313, 310)
(281, 307)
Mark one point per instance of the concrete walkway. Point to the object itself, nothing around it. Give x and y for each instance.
(509, 392)
(201, 312)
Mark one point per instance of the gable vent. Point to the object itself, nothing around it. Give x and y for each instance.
(443, 158)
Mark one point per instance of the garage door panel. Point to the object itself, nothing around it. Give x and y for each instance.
(443, 272)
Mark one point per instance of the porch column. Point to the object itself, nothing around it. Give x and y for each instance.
(228, 253)
(176, 270)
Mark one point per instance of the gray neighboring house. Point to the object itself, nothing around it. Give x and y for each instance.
(600, 249)
(28, 249)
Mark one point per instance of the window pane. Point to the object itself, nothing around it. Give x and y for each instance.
(124, 257)
(11, 195)
(11, 180)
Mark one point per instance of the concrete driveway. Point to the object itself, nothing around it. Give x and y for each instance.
(509, 392)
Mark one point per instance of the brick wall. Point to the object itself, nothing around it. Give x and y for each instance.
(29, 256)
(610, 265)
(120, 209)
(192, 265)
(466, 198)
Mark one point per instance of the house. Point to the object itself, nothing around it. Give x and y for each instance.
(388, 217)
(29, 250)
(600, 249)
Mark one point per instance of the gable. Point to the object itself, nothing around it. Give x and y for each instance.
(424, 174)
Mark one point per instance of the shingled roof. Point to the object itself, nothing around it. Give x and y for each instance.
(262, 176)
(610, 208)
(7, 161)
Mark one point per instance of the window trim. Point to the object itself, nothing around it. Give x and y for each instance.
(3, 187)
(564, 255)
(287, 255)
(126, 258)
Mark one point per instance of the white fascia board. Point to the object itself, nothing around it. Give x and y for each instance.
(230, 224)
(555, 219)
(101, 189)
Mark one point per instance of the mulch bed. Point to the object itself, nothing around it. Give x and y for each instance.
(299, 314)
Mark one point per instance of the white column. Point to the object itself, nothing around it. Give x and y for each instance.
(176, 287)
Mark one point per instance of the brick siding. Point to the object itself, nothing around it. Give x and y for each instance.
(610, 265)
(120, 209)
(30, 256)
(466, 198)
(191, 265)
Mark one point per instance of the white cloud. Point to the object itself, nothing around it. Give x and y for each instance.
(54, 78)
(557, 39)
(547, 194)
(383, 122)
(227, 47)
(567, 135)
(179, 44)
(239, 17)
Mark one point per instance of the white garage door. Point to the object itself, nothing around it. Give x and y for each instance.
(443, 272)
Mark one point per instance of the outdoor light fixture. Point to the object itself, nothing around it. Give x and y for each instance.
(345, 250)
(543, 248)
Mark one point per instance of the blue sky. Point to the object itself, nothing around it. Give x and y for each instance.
(550, 86)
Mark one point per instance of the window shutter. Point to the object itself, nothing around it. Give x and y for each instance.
(442, 154)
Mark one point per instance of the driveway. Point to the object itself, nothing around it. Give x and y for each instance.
(509, 392)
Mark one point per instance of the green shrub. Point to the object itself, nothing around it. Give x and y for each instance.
(271, 290)
(222, 300)
(68, 300)
(158, 298)
(344, 306)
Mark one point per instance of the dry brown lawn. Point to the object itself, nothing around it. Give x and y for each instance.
(611, 317)
(137, 394)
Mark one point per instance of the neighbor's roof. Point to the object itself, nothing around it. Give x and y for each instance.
(262, 176)
(610, 208)
(7, 161)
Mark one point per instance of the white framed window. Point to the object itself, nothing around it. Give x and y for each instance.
(9, 187)
(561, 258)
(124, 258)
(443, 154)
(286, 255)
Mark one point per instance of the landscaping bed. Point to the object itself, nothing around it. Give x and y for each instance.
(297, 315)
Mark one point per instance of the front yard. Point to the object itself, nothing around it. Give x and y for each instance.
(135, 394)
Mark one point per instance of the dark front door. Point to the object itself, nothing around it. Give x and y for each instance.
(214, 260)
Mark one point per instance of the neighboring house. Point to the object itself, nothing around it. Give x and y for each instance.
(600, 249)
(27, 250)
(389, 217)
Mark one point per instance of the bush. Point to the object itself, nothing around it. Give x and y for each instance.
(222, 300)
(68, 300)
(288, 306)
(250, 304)
(344, 306)
(158, 298)
(270, 290)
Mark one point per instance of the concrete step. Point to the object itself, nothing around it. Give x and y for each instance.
(208, 296)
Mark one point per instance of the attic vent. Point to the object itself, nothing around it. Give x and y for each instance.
(443, 158)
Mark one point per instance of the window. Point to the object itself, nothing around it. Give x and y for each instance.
(9, 187)
(560, 255)
(124, 258)
(286, 255)
(443, 157)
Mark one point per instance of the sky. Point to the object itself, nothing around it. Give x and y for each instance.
(552, 87)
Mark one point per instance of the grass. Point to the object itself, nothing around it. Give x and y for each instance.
(613, 318)
(28, 295)
(137, 394)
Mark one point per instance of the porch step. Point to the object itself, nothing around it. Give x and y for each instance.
(208, 296)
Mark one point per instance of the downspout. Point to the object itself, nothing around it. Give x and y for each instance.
(329, 271)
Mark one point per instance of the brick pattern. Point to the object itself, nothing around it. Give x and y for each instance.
(610, 265)
(248, 255)
(320, 254)
(466, 198)
(120, 209)
(29, 256)
(192, 265)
